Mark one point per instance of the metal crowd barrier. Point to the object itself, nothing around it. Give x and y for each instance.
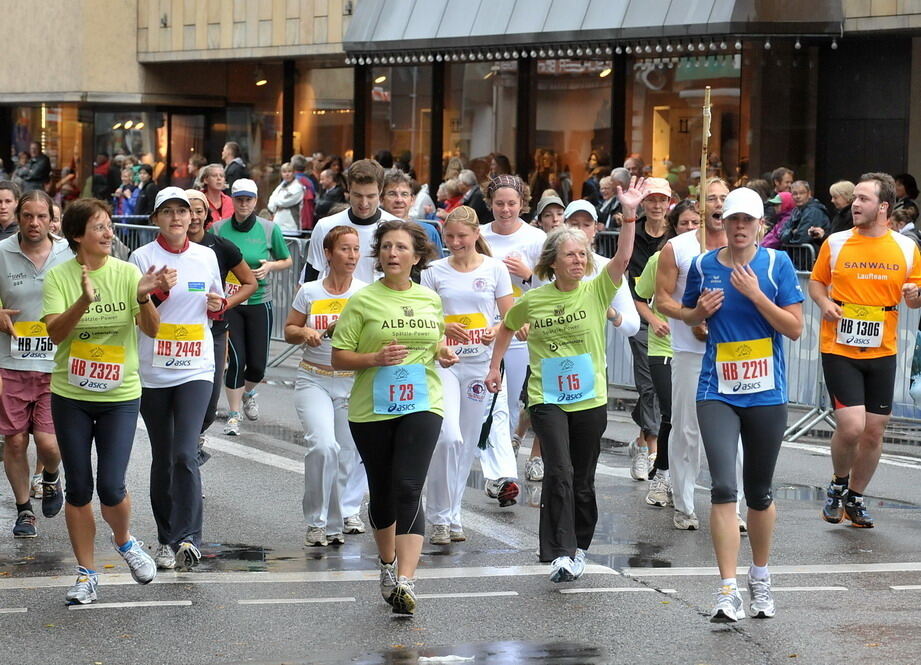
(134, 235)
(805, 382)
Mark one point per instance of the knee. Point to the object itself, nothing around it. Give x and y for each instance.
(78, 496)
(16, 445)
(759, 500)
(321, 444)
(111, 496)
(721, 492)
(187, 459)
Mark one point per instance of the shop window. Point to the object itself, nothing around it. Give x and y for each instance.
(323, 111)
(59, 131)
(401, 115)
(142, 134)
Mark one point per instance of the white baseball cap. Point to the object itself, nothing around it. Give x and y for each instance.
(170, 194)
(745, 201)
(580, 205)
(244, 187)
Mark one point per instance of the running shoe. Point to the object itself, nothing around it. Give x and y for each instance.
(25, 525)
(441, 534)
(353, 525)
(728, 608)
(164, 557)
(52, 498)
(639, 464)
(856, 511)
(203, 455)
(142, 566)
(833, 510)
(686, 522)
(36, 490)
(761, 598)
(403, 598)
(250, 408)
(315, 537)
(534, 469)
(660, 491)
(516, 444)
(335, 539)
(561, 570)
(458, 535)
(187, 556)
(232, 428)
(388, 579)
(504, 490)
(83, 592)
(578, 564)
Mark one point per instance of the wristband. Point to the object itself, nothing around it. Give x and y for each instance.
(629, 220)
(143, 302)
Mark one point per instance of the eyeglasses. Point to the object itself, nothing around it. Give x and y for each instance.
(398, 195)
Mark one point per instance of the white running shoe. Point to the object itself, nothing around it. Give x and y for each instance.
(388, 579)
(164, 557)
(250, 408)
(686, 522)
(403, 598)
(534, 469)
(441, 535)
(458, 535)
(659, 493)
(353, 525)
(761, 598)
(728, 608)
(639, 465)
(187, 556)
(232, 428)
(561, 570)
(516, 444)
(315, 537)
(578, 564)
(83, 592)
(36, 490)
(335, 539)
(142, 566)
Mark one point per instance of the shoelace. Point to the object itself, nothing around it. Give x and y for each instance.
(26, 518)
(726, 592)
(135, 555)
(760, 590)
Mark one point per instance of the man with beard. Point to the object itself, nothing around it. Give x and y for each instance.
(859, 278)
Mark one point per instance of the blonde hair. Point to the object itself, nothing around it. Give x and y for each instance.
(551, 248)
(842, 188)
(467, 216)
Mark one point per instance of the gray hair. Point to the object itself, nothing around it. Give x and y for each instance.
(204, 173)
(551, 248)
(467, 177)
(621, 176)
(802, 183)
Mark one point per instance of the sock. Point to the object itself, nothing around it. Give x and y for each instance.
(50, 477)
(758, 572)
(642, 450)
(388, 563)
(249, 393)
(852, 495)
(730, 582)
(662, 473)
(88, 572)
(840, 480)
(24, 506)
(127, 546)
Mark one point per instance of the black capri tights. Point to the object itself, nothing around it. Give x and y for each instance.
(396, 454)
(112, 426)
(761, 429)
(250, 331)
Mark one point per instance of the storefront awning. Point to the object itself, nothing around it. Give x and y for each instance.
(448, 27)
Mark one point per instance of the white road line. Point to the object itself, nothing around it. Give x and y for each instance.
(817, 569)
(124, 579)
(906, 587)
(505, 533)
(802, 588)
(483, 594)
(255, 455)
(141, 603)
(294, 601)
(13, 610)
(617, 590)
(903, 461)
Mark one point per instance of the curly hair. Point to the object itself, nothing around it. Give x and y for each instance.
(422, 247)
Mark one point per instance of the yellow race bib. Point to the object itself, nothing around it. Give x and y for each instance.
(96, 367)
(745, 367)
(179, 346)
(32, 342)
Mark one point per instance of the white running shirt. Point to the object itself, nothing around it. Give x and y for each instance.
(316, 257)
(322, 309)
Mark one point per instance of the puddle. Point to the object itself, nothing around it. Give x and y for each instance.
(493, 653)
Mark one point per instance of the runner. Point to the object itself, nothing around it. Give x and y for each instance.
(476, 291)
(858, 280)
(751, 299)
(391, 332)
(27, 358)
(264, 250)
(681, 219)
(518, 245)
(321, 394)
(688, 346)
(568, 386)
(91, 306)
(238, 284)
(177, 369)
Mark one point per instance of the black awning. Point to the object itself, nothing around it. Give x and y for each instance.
(401, 26)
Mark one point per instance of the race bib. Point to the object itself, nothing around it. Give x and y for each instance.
(400, 389)
(96, 367)
(324, 313)
(516, 291)
(179, 346)
(861, 325)
(32, 342)
(744, 368)
(475, 325)
(567, 380)
(232, 284)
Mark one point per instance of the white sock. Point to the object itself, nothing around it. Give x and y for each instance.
(662, 473)
(758, 572)
(729, 581)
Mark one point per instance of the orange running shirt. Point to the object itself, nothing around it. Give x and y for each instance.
(867, 275)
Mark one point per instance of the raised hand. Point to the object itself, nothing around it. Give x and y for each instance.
(631, 198)
(89, 292)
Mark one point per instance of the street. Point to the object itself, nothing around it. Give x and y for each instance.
(844, 595)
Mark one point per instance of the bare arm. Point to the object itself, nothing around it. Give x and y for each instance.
(248, 284)
(818, 291)
(297, 332)
(61, 325)
(503, 339)
(666, 283)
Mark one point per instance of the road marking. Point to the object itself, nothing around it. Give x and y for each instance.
(818, 569)
(294, 601)
(906, 587)
(125, 579)
(481, 594)
(141, 603)
(13, 610)
(255, 455)
(903, 461)
(617, 590)
(803, 588)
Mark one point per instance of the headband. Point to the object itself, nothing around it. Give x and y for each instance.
(505, 180)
